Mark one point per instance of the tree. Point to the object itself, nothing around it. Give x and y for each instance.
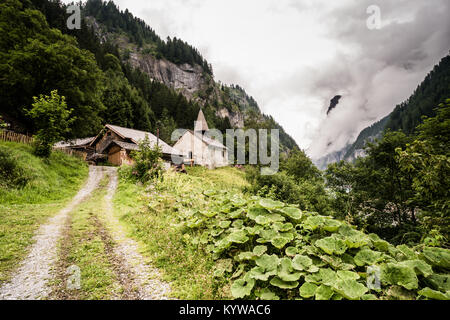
(35, 59)
(52, 118)
(427, 161)
(147, 161)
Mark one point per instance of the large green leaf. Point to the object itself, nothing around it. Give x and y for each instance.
(271, 204)
(331, 225)
(245, 255)
(324, 292)
(353, 238)
(254, 212)
(308, 290)
(262, 220)
(327, 276)
(277, 282)
(291, 251)
(401, 275)
(259, 250)
(267, 294)
(313, 222)
(433, 294)
(347, 275)
(419, 266)
(260, 273)
(286, 271)
(331, 245)
(350, 289)
(279, 242)
(238, 237)
(242, 287)
(224, 224)
(439, 281)
(366, 256)
(301, 263)
(292, 213)
(407, 252)
(268, 262)
(439, 257)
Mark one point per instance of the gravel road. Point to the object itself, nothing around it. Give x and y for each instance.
(31, 281)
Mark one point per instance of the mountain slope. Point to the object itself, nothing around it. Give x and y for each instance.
(433, 90)
(115, 69)
(169, 62)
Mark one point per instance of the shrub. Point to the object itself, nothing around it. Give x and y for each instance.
(147, 161)
(52, 118)
(11, 174)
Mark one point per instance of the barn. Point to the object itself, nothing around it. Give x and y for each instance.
(115, 144)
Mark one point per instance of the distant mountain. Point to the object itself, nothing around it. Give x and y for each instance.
(433, 90)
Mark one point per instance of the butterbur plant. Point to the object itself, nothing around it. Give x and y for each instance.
(271, 250)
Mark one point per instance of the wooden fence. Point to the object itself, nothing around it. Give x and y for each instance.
(11, 136)
(7, 135)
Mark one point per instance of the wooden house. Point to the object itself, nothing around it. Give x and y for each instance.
(115, 144)
(200, 149)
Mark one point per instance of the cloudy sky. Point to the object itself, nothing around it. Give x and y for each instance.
(293, 56)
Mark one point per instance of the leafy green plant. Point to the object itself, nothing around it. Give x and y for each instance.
(52, 118)
(277, 251)
(147, 161)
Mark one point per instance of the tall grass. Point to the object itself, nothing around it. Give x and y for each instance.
(50, 185)
(48, 180)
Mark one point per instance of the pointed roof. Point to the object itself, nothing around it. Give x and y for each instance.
(201, 124)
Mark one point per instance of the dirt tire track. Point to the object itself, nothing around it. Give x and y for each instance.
(31, 279)
(145, 278)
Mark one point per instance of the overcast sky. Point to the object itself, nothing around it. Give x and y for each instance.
(293, 56)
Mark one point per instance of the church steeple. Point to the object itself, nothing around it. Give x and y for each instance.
(201, 125)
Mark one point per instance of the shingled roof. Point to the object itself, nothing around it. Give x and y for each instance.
(136, 136)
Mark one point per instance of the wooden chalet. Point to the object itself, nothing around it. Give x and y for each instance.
(114, 144)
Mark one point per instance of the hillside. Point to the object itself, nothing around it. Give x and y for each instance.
(31, 190)
(124, 73)
(433, 90)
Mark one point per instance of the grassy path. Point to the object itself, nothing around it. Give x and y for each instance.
(30, 280)
(83, 253)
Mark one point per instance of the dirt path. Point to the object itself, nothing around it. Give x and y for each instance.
(144, 277)
(138, 279)
(31, 279)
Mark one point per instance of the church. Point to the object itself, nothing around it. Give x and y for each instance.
(199, 149)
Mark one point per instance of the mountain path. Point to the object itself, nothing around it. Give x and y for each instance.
(31, 280)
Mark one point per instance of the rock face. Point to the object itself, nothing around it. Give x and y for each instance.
(185, 78)
(333, 103)
(189, 80)
(236, 118)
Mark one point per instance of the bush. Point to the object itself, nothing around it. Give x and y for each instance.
(309, 194)
(11, 174)
(147, 161)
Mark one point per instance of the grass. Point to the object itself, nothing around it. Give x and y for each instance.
(51, 185)
(151, 215)
(225, 177)
(84, 247)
